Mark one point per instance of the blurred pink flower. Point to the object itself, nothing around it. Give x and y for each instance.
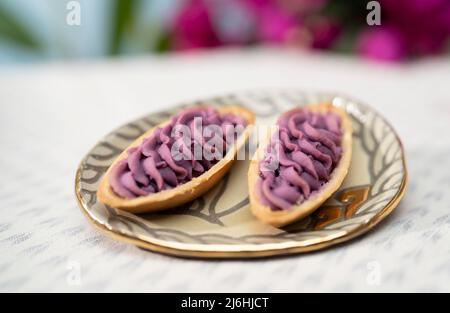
(275, 24)
(282, 22)
(192, 27)
(324, 32)
(424, 25)
(302, 6)
(211, 23)
(409, 28)
(382, 43)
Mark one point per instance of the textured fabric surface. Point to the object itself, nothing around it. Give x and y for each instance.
(50, 115)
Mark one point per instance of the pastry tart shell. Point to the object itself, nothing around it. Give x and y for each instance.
(281, 218)
(181, 194)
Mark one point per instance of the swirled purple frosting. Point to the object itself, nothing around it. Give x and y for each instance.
(300, 158)
(168, 158)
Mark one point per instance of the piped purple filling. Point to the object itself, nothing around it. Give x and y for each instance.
(193, 142)
(300, 158)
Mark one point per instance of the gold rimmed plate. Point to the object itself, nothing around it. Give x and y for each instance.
(220, 225)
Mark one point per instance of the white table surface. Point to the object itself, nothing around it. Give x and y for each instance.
(51, 114)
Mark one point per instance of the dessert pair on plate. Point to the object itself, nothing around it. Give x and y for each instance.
(298, 167)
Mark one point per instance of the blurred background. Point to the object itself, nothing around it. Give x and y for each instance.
(42, 30)
(72, 71)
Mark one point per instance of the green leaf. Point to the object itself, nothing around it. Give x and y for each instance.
(348, 12)
(351, 15)
(122, 18)
(13, 30)
(162, 43)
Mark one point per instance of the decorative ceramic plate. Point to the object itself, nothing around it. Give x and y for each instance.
(220, 225)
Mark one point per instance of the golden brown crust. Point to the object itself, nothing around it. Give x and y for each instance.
(281, 218)
(184, 193)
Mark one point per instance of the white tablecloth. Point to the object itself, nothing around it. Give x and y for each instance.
(50, 115)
